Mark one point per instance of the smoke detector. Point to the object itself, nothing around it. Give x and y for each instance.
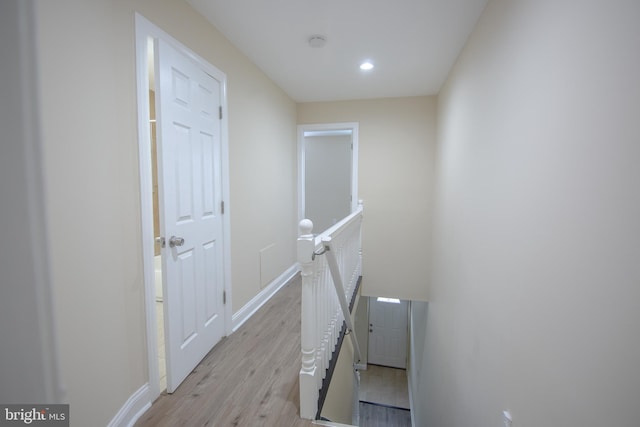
(317, 40)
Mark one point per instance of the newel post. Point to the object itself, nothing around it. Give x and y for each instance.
(308, 381)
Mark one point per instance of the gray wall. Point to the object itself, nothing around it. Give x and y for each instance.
(327, 179)
(28, 365)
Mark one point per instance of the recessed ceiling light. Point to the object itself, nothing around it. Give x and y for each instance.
(366, 66)
(391, 300)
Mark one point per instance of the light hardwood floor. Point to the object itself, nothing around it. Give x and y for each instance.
(380, 416)
(380, 385)
(249, 379)
(386, 386)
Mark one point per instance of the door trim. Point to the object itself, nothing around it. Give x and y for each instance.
(145, 30)
(327, 128)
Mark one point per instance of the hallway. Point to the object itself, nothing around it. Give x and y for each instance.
(249, 379)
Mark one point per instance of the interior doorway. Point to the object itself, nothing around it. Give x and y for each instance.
(186, 187)
(328, 172)
(384, 385)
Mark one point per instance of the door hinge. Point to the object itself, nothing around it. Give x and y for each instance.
(222, 207)
(220, 112)
(224, 297)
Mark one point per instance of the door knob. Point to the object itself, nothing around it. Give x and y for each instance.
(176, 241)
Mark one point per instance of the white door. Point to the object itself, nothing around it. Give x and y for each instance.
(388, 332)
(190, 188)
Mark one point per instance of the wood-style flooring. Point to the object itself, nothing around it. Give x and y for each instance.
(384, 397)
(379, 416)
(249, 379)
(385, 386)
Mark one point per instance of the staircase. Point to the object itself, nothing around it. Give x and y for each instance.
(331, 265)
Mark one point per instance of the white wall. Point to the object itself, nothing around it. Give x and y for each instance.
(90, 164)
(396, 144)
(535, 294)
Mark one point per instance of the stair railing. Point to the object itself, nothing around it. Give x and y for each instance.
(331, 264)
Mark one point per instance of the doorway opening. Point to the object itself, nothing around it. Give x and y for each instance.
(328, 172)
(384, 385)
(157, 255)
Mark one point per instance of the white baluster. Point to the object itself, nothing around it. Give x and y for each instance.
(308, 372)
(322, 316)
(323, 308)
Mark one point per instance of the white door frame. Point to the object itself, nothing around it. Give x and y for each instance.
(327, 129)
(145, 30)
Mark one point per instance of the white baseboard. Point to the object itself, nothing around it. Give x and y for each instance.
(136, 405)
(258, 301)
